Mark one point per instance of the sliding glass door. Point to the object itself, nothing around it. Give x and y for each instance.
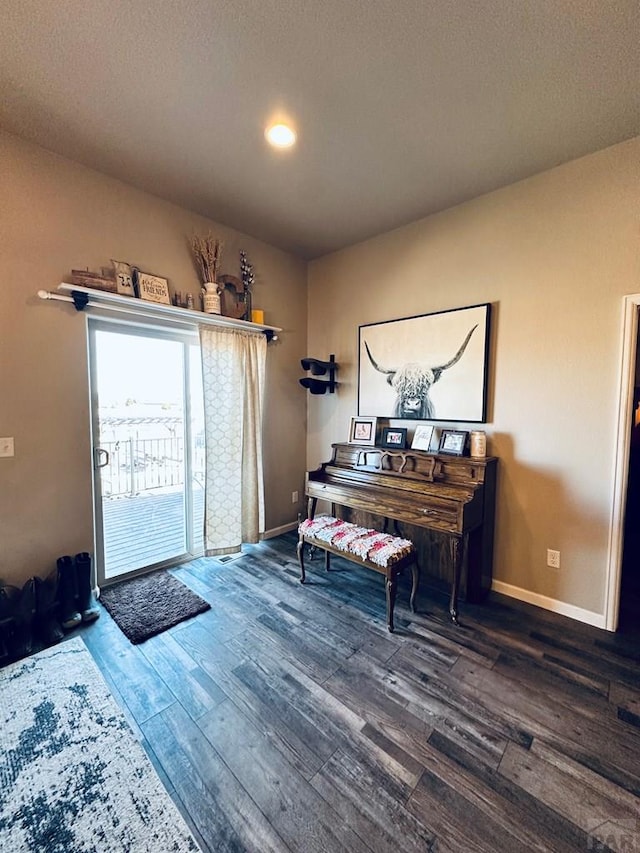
(148, 445)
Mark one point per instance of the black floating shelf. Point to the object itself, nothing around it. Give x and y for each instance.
(320, 368)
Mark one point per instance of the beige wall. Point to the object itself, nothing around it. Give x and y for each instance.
(554, 255)
(55, 216)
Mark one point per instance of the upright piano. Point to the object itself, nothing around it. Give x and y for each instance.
(445, 504)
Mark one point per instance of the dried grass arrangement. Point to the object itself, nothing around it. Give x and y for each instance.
(207, 251)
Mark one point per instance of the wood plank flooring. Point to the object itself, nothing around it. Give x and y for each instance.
(287, 718)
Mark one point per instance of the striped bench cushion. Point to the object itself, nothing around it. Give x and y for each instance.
(380, 548)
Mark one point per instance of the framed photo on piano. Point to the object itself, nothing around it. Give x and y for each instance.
(453, 441)
(432, 367)
(394, 438)
(422, 437)
(363, 431)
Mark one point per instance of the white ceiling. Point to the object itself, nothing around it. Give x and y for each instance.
(403, 107)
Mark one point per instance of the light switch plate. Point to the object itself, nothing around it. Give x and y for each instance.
(6, 447)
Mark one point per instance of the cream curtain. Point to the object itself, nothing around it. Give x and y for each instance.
(233, 369)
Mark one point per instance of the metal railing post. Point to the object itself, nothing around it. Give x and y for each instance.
(132, 468)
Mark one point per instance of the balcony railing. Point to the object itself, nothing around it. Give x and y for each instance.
(144, 465)
(143, 502)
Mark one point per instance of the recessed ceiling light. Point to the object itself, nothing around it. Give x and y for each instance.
(280, 136)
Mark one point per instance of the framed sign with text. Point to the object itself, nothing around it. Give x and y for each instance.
(152, 288)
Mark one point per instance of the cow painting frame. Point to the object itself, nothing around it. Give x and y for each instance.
(430, 367)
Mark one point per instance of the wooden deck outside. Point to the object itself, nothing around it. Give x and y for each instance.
(146, 529)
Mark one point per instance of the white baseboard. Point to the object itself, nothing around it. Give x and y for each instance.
(277, 531)
(598, 620)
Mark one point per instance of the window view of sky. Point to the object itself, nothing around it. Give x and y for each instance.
(140, 369)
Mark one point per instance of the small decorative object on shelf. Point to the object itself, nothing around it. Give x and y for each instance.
(320, 368)
(100, 281)
(478, 443)
(207, 251)
(231, 296)
(211, 298)
(248, 278)
(183, 300)
(124, 278)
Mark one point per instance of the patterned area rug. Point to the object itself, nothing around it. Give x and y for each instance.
(72, 775)
(146, 606)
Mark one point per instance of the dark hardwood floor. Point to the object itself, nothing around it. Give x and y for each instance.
(287, 718)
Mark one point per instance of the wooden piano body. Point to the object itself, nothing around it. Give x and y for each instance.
(444, 504)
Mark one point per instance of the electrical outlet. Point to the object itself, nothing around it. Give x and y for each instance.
(553, 558)
(6, 447)
(294, 497)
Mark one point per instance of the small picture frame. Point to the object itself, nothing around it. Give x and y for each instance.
(153, 288)
(394, 438)
(422, 437)
(453, 441)
(363, 431)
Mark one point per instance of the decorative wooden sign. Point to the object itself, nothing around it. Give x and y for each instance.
(152, 288)
(93, 279)
(124, 278)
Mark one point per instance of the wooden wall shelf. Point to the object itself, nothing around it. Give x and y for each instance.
(83, 297)
(320, 368)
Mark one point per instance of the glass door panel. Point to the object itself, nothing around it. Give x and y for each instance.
(146, 402)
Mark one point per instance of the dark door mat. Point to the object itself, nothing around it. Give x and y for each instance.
(145, 606)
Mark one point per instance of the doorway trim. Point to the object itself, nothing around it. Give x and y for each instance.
(621, 460)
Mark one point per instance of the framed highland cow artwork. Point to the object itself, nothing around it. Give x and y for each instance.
(430, 367)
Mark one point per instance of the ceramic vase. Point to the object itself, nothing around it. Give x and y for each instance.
(210, 298)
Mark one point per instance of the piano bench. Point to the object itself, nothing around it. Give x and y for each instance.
(383, 553)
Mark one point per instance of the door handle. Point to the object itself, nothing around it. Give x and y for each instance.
(98, 463)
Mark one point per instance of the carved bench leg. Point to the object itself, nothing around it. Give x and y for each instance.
(311, 513)
(415, 572)
(391, 578)
(391, 586)
(300, 550)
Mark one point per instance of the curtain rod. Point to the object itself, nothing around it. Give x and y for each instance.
(47, 294)
(205, 319)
